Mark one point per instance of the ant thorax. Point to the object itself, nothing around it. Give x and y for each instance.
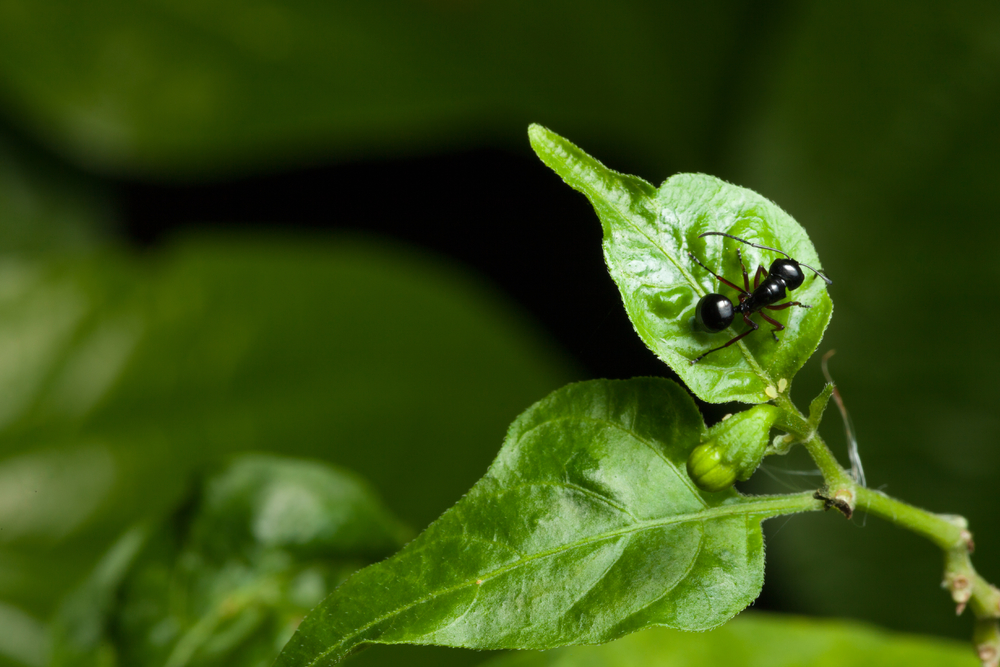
(715, 312)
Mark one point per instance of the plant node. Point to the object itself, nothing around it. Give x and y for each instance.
(987, 640)
(842, 500)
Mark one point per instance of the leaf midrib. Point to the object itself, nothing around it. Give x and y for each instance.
(763, 506)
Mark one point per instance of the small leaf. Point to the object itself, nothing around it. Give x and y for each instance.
(759, 639)
(743, 438)
(648, 233)
(585, 528)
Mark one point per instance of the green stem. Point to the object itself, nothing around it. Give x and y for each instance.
(805, 432)
(781, 505)
(936, 528)
(833, 474)
(950, 533)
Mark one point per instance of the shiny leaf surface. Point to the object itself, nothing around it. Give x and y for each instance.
(756, 640)
(648, 233)
(585, 528)
(229, 577)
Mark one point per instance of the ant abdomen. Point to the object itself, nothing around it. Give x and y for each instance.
(714, 312)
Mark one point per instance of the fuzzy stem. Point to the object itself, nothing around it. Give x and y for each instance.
(940, 530)
(950, 533)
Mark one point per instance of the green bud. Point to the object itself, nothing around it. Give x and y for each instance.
(706, 468)
(732, 449)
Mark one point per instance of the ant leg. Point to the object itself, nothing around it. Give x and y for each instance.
(746, 278)
(786, 305)
(761, 271)
(717, 276)
(753, 327)
(778, 326)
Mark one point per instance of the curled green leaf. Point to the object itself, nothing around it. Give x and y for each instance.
(648, 233)
(585, 528)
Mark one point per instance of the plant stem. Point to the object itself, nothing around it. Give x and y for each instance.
(833, 474)
(784, 504)
(947, 534)
(805, 432)
(950, 533)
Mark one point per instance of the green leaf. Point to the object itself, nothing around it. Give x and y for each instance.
(23, 638)
(80, 625)
(648, 233)
(732, 449)
(229, 577)
(759, 639)
(585, 528)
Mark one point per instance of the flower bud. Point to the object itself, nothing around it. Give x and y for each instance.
(706, 468)
(732, 449)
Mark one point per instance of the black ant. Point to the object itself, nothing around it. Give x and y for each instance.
(715, 312)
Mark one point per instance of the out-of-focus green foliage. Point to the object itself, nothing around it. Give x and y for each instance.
(121, 377)
(47, 206)
(755, 640)
(230, 576)
(193, 87)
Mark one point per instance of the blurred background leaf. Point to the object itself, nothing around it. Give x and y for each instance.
(757, 639)
(299, 228)
(230, 575)
(124, 375)
(49, 206)
(194, 88)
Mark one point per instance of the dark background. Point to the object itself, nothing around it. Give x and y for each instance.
(293, 214)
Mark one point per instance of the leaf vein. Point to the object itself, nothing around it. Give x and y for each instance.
(659, 453)
(762, 506)
(576, 487)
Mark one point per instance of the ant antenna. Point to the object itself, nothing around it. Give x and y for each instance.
(764, 247)
(825, 279)
(857, 472)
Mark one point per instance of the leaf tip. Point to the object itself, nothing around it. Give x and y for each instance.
(536, 130)
(539, 136)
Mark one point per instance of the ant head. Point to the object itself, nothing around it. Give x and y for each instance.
(789, 271)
